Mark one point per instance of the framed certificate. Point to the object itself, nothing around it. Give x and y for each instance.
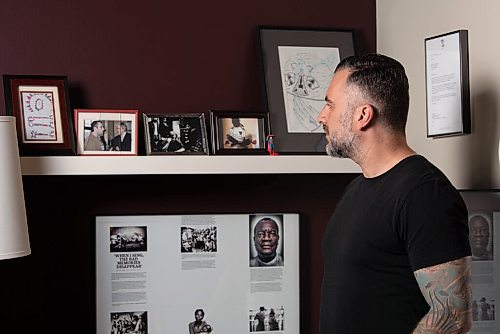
(447, 84)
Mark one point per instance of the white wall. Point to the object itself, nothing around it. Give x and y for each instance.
(470, 161)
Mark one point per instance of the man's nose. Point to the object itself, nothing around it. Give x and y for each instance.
(322, 115)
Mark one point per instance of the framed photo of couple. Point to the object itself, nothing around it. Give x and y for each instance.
(106, 132)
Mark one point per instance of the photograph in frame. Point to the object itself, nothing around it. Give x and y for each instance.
(106, 131)
(297, 68)
(484, 234)
(198, 239)
(239, 132)
(175, 134)
(42, 110)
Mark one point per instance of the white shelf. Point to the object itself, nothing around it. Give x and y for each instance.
(143, 165)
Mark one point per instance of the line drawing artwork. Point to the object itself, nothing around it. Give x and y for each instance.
(306, 74)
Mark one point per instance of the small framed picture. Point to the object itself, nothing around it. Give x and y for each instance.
(297, 67)
(106, 132)
(43, 113)
(239, 132)
(175, 134)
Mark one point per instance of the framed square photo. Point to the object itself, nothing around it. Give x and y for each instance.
(41, 107)
(175, 134)
(297, 66)
(239, 132)
(106, 131)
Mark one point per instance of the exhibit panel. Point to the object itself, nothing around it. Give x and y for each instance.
(484, 236)
(226, 273)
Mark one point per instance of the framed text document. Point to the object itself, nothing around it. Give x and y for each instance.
(221, 273)
(447, 84)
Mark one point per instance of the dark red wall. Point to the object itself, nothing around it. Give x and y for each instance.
(158, 57)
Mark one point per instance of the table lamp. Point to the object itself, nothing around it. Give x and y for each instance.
(14, 240)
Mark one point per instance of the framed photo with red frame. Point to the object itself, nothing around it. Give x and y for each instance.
(106, 131)
(42, 110)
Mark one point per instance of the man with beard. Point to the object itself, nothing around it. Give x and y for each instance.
(266, 237)
(398, 239)
(480, 239)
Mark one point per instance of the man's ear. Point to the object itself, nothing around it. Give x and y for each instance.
(364, 117)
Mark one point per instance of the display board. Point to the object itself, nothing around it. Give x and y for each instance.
(221, 273)
(484, 236)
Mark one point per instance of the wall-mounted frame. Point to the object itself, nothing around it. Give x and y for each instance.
(175, 134)
(447, 84)
(237, 132)
(297, 66)
(43, 114)
(106, 131)
(484, 235)
(199, 256)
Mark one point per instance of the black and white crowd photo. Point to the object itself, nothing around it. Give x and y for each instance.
(128, 239)
(129, 323)
(198, 239)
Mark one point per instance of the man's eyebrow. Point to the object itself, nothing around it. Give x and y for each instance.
(327, 100)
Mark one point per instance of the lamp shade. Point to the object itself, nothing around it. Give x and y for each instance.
(14, 240)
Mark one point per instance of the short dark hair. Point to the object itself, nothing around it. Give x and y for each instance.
(94, 125)
(124, 125)
(199, 310)
(383, 80)
(266, 219)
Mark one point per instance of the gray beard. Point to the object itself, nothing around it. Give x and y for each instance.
(336, 149)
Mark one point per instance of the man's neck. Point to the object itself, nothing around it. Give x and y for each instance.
(378, 156)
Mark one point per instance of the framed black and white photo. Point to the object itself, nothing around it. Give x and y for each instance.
(175, 134)
(447, 84)
(298, 66)
(239, 132)
(106, 131)
(483, 207)
(195, 273)
(41, 106)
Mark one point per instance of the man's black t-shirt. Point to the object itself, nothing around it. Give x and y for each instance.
(384, 229)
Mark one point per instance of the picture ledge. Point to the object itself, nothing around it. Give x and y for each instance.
(144, 165)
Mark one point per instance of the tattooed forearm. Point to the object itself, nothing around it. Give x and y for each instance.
(447, 289)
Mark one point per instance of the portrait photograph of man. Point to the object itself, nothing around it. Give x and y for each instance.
(481, 236)
(266, 241)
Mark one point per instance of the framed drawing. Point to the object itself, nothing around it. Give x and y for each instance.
(297, 66)
(239, 132)
(447, 84)
(43, 113)
(197, 255)
(106, 131)
(175, 134)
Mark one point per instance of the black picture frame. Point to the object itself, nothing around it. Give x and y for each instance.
(331, 46)
(239, 132)
(40, 104)
(176, 134)
(451, 84)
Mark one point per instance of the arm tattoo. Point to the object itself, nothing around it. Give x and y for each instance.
(447, 289)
